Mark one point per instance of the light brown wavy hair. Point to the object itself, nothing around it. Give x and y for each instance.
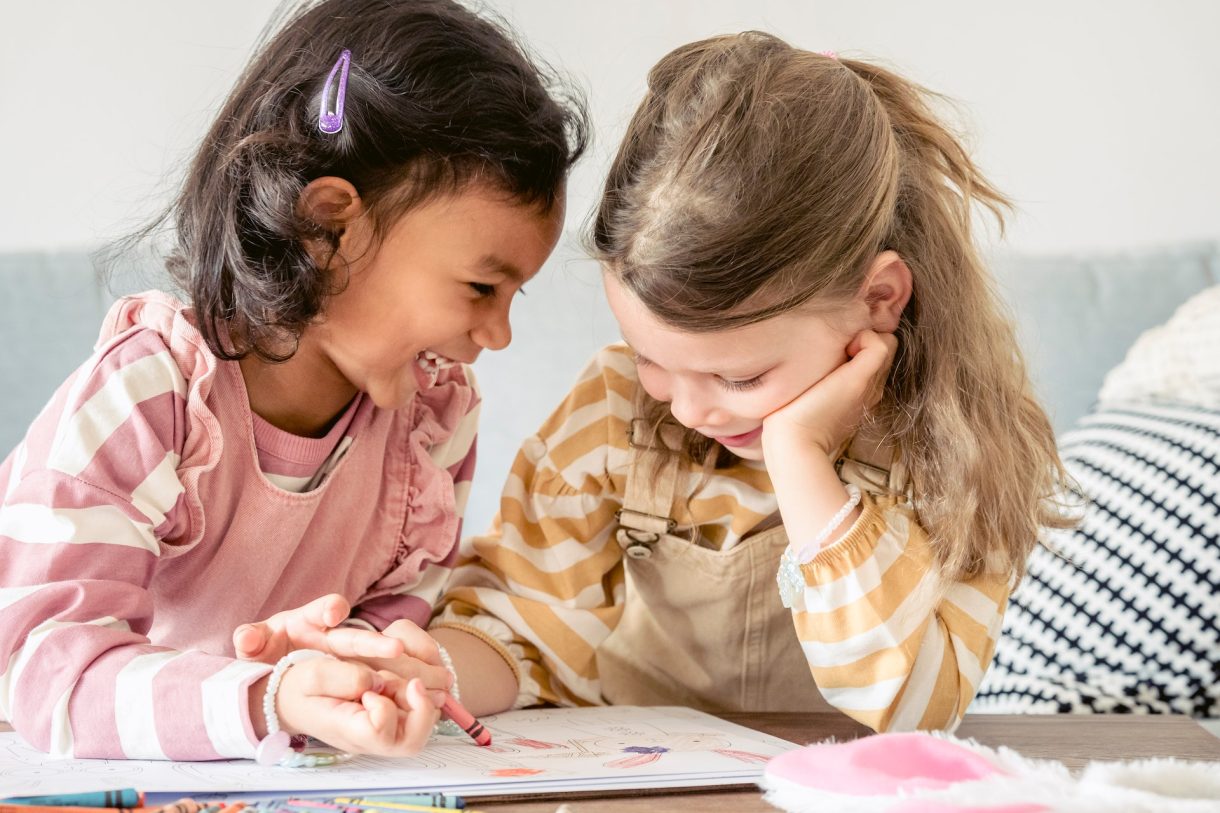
(756, 178)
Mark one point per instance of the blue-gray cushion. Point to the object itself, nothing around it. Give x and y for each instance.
(1077, 314)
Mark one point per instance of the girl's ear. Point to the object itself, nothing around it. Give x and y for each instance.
(330, 202)
(334, 204)
(886, 291)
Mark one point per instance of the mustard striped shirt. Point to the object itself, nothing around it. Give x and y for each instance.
(885, 640)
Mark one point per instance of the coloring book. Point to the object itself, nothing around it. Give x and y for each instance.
(533, 751)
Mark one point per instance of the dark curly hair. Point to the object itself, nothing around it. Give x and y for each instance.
(437, 97)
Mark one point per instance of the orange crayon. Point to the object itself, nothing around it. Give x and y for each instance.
(456, 712)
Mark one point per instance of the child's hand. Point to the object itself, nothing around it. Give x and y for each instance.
(314, 626)
(829, 412)
(420, 658)
(402, 648)
(352, 707)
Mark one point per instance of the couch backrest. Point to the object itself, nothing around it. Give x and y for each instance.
(51, 307)
(1077, 315)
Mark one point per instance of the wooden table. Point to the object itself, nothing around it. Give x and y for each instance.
(1071, 739)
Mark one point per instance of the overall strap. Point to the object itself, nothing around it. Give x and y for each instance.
(873, 465)
(652, 483)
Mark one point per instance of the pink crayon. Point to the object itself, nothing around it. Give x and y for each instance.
(456, 712)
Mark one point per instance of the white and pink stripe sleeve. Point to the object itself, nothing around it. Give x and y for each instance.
(85, 501)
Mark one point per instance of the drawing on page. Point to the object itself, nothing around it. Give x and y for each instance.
(631, 746)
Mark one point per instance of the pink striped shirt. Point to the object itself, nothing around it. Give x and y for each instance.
(148, 512)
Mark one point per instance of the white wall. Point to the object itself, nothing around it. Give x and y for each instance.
(1100, 118)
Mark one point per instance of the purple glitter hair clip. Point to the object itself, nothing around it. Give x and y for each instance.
(330, 116)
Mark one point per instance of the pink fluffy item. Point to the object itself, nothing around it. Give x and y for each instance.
(938, 773)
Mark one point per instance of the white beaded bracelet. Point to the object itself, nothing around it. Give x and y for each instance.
(278, 747)
(791, 580)
(448, 727)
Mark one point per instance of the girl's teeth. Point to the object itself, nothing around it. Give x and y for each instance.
(432, 363)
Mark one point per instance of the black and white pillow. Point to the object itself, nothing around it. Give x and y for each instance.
(1124, 616)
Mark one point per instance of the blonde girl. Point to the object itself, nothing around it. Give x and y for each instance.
(817, 388)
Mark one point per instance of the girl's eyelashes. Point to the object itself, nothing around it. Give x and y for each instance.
(727, 383)
(487, 289)
(737, 386)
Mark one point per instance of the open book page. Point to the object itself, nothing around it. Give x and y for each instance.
(532, 751)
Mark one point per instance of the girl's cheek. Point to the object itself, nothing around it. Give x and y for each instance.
(760, 403)
(653, 384)
(756, 406)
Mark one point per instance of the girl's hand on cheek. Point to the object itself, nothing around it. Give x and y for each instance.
(351, 707)
(829, 412)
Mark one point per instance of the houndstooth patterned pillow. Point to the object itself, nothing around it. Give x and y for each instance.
(1127, 617)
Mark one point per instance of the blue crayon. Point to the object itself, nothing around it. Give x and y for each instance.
(127, 797)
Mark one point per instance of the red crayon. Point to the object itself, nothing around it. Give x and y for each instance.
(456, 712)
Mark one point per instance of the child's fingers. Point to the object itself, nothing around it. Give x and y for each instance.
(869, 340)
(326, 612)
(421, 717)
(384, 728)
(253, 641)
(417, 695)
(338, 702)
(432, 696)
(884, 346)
(339, 679)
(383, 718)
(352, 642)
(871, 356)
(416, 642)
(392, 685)
(434, 677)
(400, 732)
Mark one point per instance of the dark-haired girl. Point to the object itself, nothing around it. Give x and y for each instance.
(293, 437)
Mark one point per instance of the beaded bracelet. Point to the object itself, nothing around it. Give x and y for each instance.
(448, 727)
(791, 580)
(278, 747)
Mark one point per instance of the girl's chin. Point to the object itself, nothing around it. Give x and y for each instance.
(391, 395)
(752, 452)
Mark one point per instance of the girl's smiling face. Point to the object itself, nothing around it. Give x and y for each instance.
(442, 279)
(439, 281)
(722, 384)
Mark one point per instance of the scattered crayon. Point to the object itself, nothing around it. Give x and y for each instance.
(127, 797)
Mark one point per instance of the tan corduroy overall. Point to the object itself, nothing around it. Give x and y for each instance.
(703, 627)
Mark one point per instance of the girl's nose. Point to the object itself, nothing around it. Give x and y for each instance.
(690, 406)
(494, 332)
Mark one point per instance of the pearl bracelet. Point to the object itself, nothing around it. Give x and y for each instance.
(278, 747)
(448, 727)
(791, 580)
